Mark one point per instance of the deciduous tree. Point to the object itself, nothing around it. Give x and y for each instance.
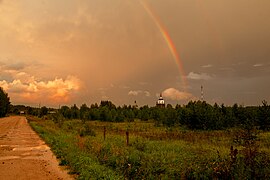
(4, 103)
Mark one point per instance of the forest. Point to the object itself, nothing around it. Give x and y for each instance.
(194, 115)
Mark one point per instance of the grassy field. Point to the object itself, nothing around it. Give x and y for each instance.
(155, 152)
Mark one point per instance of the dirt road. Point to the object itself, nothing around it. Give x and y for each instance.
(23, 155)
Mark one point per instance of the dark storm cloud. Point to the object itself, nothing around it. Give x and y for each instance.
(17, 66)
(218, 32)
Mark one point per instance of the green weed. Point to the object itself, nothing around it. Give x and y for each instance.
(153, 152)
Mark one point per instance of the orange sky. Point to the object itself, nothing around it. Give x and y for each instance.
(66, 52)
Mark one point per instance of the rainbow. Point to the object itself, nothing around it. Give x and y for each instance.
(167, 39)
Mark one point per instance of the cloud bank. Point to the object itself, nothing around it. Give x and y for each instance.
(177, 95)
(197, 76)
(207, 66)
(138, 92)
(22, 87)
(258, 65)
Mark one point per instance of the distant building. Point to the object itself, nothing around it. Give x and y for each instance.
(160, 103)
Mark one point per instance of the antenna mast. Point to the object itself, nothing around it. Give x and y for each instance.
(202, 99)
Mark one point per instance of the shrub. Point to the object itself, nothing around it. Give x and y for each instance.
(86, 130)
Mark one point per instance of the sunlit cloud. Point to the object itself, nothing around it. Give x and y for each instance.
(197, 76)
(139, 92)
(147, 93)
(134, 93)
(207, 66)
(104, 98)
(54, 91)
(257, 65)
(175, 94)
(28, 89)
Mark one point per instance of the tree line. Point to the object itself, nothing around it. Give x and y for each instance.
(194, 115)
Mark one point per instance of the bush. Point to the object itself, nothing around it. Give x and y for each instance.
(139, 144)
(86, 130)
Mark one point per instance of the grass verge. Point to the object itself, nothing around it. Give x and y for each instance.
(153, 152)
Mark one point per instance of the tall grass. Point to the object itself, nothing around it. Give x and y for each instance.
(153, 152)
(65, 146)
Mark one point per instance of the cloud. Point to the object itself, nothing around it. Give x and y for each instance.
(104, 98)
(17, 66)
(207, 66)
(124, 87)
(25, 88)
(138, 92)
(197, 76)
(175, 94)
(147, 93)
(134, 93)
(257, 65)
(227, 69)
